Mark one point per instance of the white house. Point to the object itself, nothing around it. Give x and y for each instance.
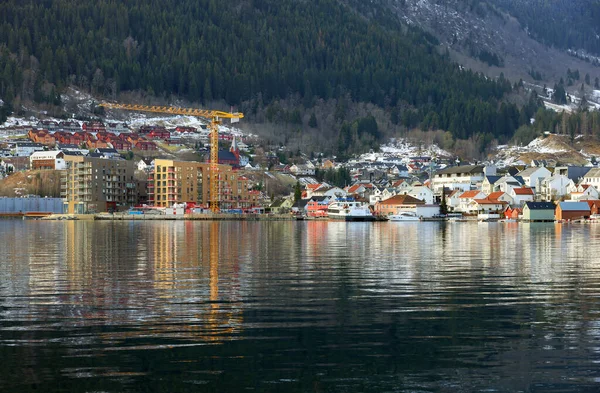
(487, 186)
(25, 149)
(401, 185)
(47, 160)
(583, 192)
(453, 200)
(117, 128)
(485, 206)
(145, 164)
(379, 195)
(506, 183)
(592, 177)
(388, 192)
(521, 195)
(399, 171)
(302, 170)
(554, 187)
(332, 192)
(531, 175)
(423, 193)
(376, 195)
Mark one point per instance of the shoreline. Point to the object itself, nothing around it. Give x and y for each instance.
(246, 217)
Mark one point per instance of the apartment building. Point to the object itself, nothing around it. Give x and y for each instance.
(93, 185)
(173, 182)
(465, 178)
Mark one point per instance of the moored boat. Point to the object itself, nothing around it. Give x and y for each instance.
(404, 216)
(350, 211)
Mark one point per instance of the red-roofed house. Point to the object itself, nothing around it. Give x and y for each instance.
(521, 195)
(501, 196)
(401, 185)
(391, 205)
(311, 188)
(356, 189)
(466, 198)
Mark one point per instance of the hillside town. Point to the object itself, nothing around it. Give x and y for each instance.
(109, 167)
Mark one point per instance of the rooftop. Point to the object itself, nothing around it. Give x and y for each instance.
(540, 205)
(471, 169)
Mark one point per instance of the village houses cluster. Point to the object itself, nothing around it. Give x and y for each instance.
(534, 192)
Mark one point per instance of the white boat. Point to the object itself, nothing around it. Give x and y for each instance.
(404, 216)
(350, 211)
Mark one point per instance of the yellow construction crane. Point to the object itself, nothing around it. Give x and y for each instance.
(215, 119)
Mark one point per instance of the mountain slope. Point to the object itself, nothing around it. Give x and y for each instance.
(248, 53)
(566, 24)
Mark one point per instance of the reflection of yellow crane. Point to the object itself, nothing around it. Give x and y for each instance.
(215, 119)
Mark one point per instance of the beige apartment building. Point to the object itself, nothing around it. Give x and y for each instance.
(187, 181)
(93, 185)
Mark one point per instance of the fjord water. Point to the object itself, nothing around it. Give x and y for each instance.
(299, 307)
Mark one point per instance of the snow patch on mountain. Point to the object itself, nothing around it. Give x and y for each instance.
(401, 150)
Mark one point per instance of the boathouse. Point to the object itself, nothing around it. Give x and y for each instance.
(572, 210)
(538, 211)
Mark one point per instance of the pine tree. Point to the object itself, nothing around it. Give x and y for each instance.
(297, 192)
(312, 122)
(443, 204)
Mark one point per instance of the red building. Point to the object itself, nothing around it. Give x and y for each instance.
(148, 129)
(94, 126)
(317, 209)
(41, 136)
(146, 146)
(120, 144)
(67, 138)
(159, 134)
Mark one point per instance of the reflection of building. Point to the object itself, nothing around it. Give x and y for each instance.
(92, 185)
(184, 181)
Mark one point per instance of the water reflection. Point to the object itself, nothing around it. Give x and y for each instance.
(299, 306)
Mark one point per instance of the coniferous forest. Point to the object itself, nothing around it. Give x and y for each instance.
(566, 24)
(243, 51)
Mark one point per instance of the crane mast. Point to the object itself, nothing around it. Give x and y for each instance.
(215, 119)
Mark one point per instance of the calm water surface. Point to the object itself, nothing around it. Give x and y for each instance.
(299, 307)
